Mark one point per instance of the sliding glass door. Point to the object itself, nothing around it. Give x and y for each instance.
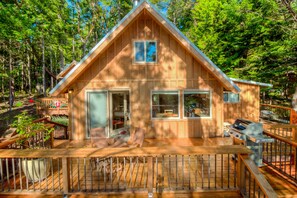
(107, 109)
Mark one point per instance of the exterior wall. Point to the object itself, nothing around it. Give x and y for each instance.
(176, 69)
(248, 107)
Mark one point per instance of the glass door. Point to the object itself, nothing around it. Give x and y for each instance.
(97, 111)
(120, 109)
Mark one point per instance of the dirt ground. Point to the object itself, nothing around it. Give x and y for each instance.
(7, 117)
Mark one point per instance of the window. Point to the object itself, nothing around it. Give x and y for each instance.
(197, 104)
(145, 51)
(231, 97)
(165, 104)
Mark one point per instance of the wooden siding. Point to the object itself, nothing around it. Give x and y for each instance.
(176, 69)
(248, 107)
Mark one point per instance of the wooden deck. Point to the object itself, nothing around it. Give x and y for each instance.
(281, 185)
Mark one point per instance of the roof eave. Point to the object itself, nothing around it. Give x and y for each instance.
(252, 82)
(63, 84)
(227, 82)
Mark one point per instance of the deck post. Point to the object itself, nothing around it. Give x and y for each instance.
(150, 182)
(66, 175)
(241, 173)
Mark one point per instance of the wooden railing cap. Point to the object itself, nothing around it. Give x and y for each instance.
(121, 152)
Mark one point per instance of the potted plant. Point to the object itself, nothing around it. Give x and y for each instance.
(33, 135)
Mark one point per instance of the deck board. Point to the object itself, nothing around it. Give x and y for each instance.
(133, 174)
(281, 185)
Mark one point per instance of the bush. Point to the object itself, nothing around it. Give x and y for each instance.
(60, 119)
(18, 104)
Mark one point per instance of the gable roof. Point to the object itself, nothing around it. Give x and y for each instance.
(87, 60)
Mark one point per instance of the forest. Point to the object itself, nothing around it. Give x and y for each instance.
(247, 39)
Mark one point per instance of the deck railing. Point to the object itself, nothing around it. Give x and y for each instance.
(148, 169)
(278, 113)
(282, 153)
(52, 106)
(252, 183)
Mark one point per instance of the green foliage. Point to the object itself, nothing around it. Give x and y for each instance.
(253, 40)
(27, 128)
(247, 39)
(60, 119)
(18, 104)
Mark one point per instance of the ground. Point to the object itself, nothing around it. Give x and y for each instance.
(7, 116)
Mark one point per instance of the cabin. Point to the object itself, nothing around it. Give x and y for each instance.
(146, 73)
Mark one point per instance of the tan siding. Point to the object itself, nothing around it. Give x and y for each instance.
(247, 108)
(176, 69)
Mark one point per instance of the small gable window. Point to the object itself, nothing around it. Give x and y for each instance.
(231, 97)
(145, 51)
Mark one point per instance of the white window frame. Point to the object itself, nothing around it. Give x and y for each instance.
(230, 93)
(178, 105)
(198, 91)
(134, 52)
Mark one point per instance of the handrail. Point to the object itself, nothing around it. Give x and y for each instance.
(292, 112)
(257, 176)
(283, 139)
(12, 141)
(282, 153)
(161, 169)
(276, 106)
(123, 152)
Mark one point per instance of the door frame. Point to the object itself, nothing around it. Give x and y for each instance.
(111, 107)
(108, 92)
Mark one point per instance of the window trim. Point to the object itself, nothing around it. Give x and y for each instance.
(229, 92)
(144, 62)
(210, 103)
(178, 105)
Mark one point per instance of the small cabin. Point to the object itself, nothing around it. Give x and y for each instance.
(146, 73)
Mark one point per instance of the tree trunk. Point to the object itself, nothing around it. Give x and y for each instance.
(73, 48)
(2, 82)
(11, 79)
(294, 100)
(29, 73)
(43, 69)
(23, 77)
(51, 65)
(84, 46)
(61, 59)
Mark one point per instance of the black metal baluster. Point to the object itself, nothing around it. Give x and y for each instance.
(202, 172)
(215, 170)
(52, 171)
(110, 174)
(228, 169)
(183, 172)
(176, 171)
(169, 173)
(78, 177)
(189, 170)
(222, 170)
(208, 171)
